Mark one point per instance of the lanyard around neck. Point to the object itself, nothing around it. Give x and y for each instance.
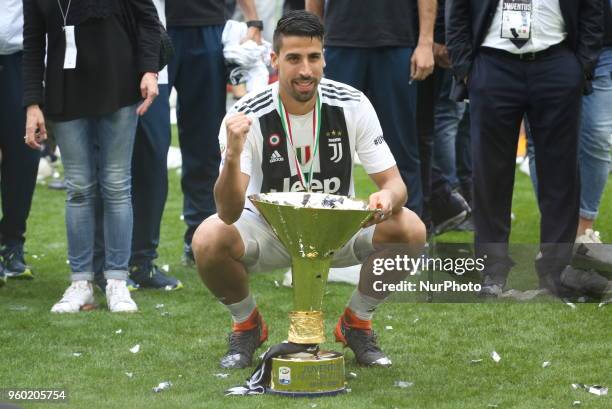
(306, 180)
(64, 16)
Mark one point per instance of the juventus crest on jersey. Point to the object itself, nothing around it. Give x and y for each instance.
(274, 160)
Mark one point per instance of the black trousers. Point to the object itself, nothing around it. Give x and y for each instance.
(19, 162)
(548, 90)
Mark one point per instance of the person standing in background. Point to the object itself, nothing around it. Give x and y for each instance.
(197, 72)
(83, 65)
(381, 47)
(19, 164)
(149, 191)
(514, 58)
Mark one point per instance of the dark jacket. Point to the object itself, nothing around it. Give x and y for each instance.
(607, 42)
(467, 23)
(109, 65)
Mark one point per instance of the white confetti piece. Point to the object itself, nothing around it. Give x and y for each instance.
(415, 320)
(403, 384)
(158, 306)
(165, 314)
(495, 356)
(67, 262)
(569, 304)
(576, 403)
(388, 327)
(598, 390)
(17, 308)
(389, 317)
(221, 375)
(348, 390)
(182, 217)
(135, 349)
(476, 361)
(166, 268)
(352, 375)
(119, 331)
(162, 386)
(35, 257)
(129, 374)
(313, 405)
(276, 284)
(77, 354)
(491, 405)
(545, 364)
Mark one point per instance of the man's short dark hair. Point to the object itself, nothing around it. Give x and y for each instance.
(298, 23)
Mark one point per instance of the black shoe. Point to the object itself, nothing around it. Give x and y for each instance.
(243, 344)
(14, 263)
(596, 256)
(585, 282)
(363, 344)
(491, 287)
(149, 275)
(449, 213)
(494, 280)
(100, 282)
(188, 258)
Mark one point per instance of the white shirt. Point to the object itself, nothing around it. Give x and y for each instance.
(364, 133)
(11, 26)
(547, 28)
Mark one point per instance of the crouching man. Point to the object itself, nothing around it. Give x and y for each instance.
(299, 134)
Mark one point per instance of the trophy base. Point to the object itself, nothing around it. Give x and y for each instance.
(307, 375)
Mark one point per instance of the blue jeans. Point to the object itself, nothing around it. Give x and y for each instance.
(594, 146)
(98, 151)
(382, 74)
(451, 140)
(149, 184)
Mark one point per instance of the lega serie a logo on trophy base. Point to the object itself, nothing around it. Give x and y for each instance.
(312, 227)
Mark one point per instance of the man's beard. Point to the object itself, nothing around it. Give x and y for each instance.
(305, 97)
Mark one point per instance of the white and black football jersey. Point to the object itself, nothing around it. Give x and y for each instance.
(349, 125)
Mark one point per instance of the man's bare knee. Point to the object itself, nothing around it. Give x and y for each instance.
(214, 241)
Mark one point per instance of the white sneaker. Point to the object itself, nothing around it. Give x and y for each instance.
(118, 297)
(589, 236)
(77, 295)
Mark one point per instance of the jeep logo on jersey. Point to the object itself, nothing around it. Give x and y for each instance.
(336, 147)
(331, 185)
(274, 140)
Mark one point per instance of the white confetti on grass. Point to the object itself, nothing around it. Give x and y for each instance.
(158, 306)
(129, 374)
(135, 349)
(545, 364)
(388, 327)
(352, 375)
(221, 375)
(162, 386)
(476, 361)
(119, 331)
(77, 354)
(403, 384)
(495, 357)
(569, 304)
(166, 268)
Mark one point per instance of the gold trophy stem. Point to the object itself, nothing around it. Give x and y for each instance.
(309, 275)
